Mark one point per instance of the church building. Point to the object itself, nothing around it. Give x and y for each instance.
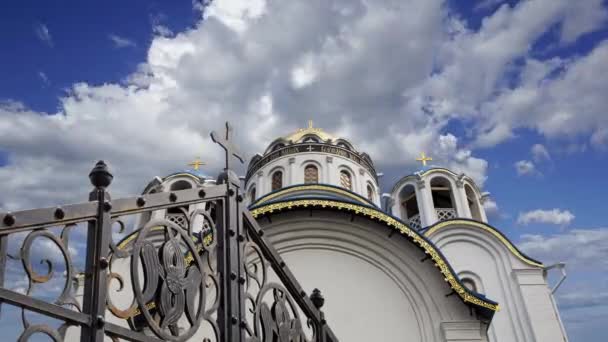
(419, 264)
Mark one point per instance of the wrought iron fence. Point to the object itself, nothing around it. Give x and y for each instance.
(212, 276)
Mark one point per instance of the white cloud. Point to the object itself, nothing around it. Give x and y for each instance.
(121, 42)
(579, 248)
(389, 76)
(459, 160)
(43, 33)
(540, 153)
(482, 64)
(525, 167)
(304, 73)
(162, 30)
(44, 78)
(582, 18)
(491, 207)
(553, 216)
(236, 14)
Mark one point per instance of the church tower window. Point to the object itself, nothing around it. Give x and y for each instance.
(277, 180)
(311, 174)
(370, 192)
(409, 207)
(443, 198)
(346, 180)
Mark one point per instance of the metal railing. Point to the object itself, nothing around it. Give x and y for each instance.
(445, 214)
(414, 222)
(204, 278)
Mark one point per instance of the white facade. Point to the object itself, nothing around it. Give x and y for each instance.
(500, 271)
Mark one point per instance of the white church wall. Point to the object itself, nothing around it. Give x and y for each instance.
(526, 313)
(376, 287)
(539, 302)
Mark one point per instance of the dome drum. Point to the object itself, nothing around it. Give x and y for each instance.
(257, 163)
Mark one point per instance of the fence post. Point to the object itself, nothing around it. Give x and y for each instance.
(231, 310)
(98, 244)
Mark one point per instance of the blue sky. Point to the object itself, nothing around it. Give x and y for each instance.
(510, 92)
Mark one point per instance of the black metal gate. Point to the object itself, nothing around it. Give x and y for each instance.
(212, 276)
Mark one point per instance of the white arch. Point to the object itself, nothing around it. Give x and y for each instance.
(419, 283)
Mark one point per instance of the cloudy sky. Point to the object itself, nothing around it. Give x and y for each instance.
(511, 92)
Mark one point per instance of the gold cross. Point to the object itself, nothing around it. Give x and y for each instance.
(196, 164)
(423, 159)
(309, 123)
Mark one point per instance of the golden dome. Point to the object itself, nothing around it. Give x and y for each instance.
(310, 130)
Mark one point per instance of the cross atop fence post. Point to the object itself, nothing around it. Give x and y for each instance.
(227, 145)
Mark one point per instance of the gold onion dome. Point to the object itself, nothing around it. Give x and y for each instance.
(310, 130)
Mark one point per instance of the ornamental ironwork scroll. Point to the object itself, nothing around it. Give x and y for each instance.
(126, 270)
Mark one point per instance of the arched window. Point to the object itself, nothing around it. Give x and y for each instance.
(409, 207)
(181, 185)
(469, 284)
(473, 203)
(370, 192)
(311, 174)
(443, 198)
(277, 180)
(346, 181)
(252, 194)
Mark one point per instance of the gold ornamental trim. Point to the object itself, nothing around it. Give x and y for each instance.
(372, 213)
(310, 187)
(446, 224)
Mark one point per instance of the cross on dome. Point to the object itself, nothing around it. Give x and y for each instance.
(423, 159)
(196, 164)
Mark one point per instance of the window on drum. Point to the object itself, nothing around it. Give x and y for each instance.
(346, 180)
(311, 174)
(277, 180)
